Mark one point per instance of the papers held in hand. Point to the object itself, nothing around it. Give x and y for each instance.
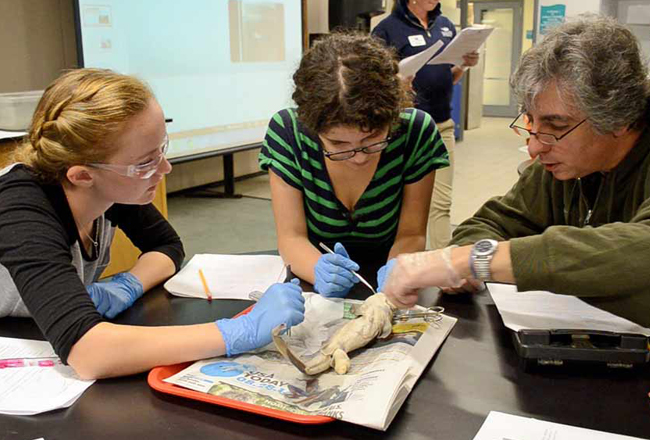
(228, 276)
(410, 66)
(468, 40)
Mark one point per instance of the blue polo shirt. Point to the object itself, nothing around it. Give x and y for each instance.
(433, 84)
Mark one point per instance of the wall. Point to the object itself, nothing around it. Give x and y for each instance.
(318, 17)
(572, 8)
(37, 42)
(374, 21)
(201, 172)
(529, 24)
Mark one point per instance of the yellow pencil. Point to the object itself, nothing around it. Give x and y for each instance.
(205, 285)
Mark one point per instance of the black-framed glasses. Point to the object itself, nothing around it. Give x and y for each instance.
(544, 138)
(349, 154)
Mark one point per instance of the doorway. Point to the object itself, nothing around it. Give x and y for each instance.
(502, 53)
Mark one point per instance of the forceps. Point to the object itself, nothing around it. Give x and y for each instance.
(430, 314)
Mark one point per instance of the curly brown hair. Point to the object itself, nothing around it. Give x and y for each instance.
(349, 79)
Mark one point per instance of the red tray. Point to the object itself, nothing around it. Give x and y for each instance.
(158, 374)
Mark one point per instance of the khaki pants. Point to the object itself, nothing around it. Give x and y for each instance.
(439, 228)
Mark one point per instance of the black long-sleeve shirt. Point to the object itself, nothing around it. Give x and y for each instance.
(43, 269)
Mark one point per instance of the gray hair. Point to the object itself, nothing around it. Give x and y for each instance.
(597, 64)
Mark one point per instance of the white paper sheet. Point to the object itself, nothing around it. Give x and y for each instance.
(33, 390)
(410, 66)
(227, 276)
(467, 40)
(11, 134)
(545, 311)
(499, 425)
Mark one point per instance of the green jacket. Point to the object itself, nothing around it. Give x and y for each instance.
(586, 237)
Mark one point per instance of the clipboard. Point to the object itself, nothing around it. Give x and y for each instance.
(156, 377)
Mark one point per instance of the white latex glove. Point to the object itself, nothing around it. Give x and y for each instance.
(413, 272)
(469, 285)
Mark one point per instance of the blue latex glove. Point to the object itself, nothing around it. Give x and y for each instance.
(333, 273)
(383, 272)
(117, 294)
(280, 304)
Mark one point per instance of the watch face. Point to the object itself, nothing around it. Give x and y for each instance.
(484, 247)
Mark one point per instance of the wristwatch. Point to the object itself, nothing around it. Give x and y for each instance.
(480, 258)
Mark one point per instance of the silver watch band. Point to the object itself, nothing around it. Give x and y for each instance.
(482, 268)
(481, 258)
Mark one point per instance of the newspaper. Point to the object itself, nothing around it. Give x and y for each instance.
(380, 378)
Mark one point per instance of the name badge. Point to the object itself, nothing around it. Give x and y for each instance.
(417, 40)
(446, 32)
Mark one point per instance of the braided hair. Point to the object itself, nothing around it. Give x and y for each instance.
(76, 116)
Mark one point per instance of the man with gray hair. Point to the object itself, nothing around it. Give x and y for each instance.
(578, 220)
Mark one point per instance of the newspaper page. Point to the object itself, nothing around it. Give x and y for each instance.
(380, 378)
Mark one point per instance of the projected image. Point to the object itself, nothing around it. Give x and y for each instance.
(256, 31)
(99, 18)
(96, 15)
(219, 68)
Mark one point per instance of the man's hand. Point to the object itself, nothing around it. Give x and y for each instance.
(469, 285)
(413, 272)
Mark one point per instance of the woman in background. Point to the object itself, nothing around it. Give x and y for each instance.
(93, 159)
(351, 166)
(412, 27)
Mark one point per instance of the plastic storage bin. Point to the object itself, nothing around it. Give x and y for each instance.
(16, 109)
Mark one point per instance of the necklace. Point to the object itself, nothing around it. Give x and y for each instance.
(94, 242)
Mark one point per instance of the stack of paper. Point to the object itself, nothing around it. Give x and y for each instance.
(499, 425)
(227, 276)
(410, 66)
(468, 40)
(36, 389)
(539, 310)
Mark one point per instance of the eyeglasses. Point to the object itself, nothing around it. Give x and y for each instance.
(349, 154)
(544, 138)
(140, 171)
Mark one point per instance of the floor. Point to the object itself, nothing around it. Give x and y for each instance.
(486, 166)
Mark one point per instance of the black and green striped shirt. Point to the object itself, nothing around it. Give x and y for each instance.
(296, 155)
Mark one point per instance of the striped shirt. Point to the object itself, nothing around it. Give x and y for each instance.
(296, 156)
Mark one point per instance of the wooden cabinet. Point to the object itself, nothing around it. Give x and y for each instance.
(6, 147)
(123, 253)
